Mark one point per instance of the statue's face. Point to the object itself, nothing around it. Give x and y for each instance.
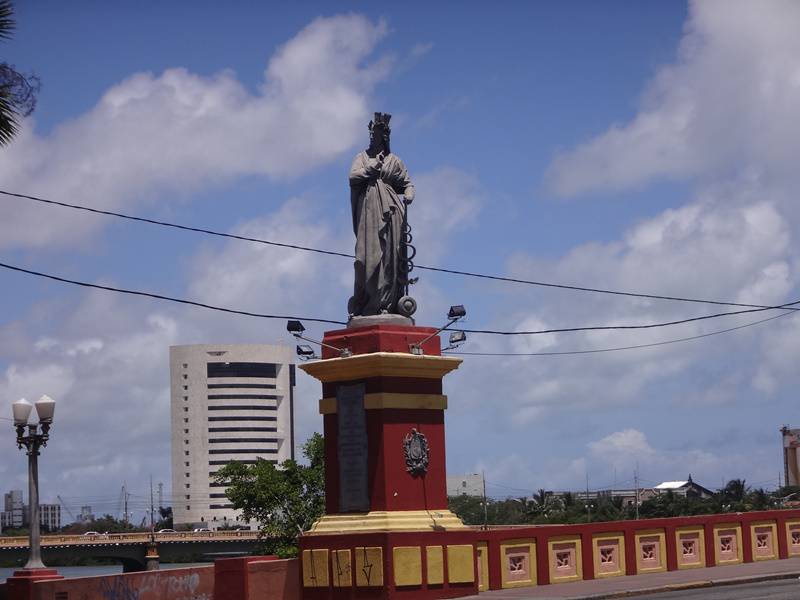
(379, 137)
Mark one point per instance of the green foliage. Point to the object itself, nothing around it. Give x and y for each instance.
(17, 91)
(284, 499)
(544, 508)
(106, 523)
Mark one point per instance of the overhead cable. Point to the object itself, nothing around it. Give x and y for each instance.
(645, 326)
(319, 320)
(638, 346)
(167, 298)
(345, 255)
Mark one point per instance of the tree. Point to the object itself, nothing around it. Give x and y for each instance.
(284, 499)
(17, 91)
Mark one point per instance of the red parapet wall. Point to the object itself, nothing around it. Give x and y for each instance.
(551, 554)
(173, 584)
(247, 578)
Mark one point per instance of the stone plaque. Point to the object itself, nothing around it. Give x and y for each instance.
(352, 449)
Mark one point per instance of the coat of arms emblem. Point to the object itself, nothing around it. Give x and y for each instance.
(415, 448)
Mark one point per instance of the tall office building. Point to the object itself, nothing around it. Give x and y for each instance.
(228, 402)
(13, 514)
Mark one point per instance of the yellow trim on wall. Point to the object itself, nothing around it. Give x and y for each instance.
(434, 562)
(662, 550)
(327, 406)
(554, 578)
(788, 533)
(738, 529)
(597, 539)
(460, 563)
(701, 542)
(407, 565)
(369, 566)
(381, 364)
(773, 526)
(483, 566)
(528, 544)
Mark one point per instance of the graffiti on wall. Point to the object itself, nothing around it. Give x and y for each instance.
(152, 586)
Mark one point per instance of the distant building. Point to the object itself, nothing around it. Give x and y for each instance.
(13, 515)
(86, 514)
(228, 402)
(791, 454)
(50, 516)
(465, 485)
(687, 488)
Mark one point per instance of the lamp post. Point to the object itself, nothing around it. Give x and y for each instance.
(32, 442)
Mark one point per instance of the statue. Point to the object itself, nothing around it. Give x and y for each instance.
(383, 252)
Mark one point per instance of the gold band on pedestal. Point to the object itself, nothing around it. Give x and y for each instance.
(388, 520)
(381, 364)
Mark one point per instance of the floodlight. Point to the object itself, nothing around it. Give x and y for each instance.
(45, 407)
(22, 410)
(456, 312)
(306, 352)
(295, 327)
(458, 337)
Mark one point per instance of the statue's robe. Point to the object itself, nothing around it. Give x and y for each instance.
(377, 222)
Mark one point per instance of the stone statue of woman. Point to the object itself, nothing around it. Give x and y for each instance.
(378, 178)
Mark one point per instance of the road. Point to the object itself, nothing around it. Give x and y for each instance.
(784, 589)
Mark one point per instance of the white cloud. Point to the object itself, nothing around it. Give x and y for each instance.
(726, 106)
(179, 132)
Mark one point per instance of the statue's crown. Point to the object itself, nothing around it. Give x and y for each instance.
(380, 120)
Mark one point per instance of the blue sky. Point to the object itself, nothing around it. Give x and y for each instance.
(644, 147)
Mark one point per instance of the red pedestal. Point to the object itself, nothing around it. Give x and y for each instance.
(20, 585)
(405, 541)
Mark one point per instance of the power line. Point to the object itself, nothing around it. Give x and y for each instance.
(319, 320)
(645, 326)
(345, 255)
(598, 350)
(167, 298)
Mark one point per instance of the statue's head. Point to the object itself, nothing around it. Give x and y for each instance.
(379, 133)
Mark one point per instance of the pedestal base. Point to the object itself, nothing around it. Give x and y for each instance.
(389, 565)
(384, 520)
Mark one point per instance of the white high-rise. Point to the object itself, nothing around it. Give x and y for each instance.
(228, 402)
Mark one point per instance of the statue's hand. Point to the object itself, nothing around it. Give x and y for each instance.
(408, 196)
(374, 167)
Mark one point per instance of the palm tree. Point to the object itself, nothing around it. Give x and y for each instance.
(735, 490)
(17, 91)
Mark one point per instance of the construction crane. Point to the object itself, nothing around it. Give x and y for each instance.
(68, 511)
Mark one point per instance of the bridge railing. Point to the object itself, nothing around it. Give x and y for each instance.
(130, 538)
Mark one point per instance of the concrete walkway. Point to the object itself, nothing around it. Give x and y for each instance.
(620, 587)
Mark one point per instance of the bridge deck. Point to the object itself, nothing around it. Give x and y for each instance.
(132, 538)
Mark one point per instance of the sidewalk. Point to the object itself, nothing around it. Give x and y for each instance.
(620, 587)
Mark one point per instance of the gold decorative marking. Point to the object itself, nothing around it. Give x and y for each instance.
(315, 568)
(381, 364)
(369, 566)
(434, 558)
(342, 572)
(407, 565)
(460, 563)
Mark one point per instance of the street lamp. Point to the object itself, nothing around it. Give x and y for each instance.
(45, 407)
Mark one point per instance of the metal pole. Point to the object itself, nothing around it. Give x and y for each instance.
(485, 507)
(35, 555)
